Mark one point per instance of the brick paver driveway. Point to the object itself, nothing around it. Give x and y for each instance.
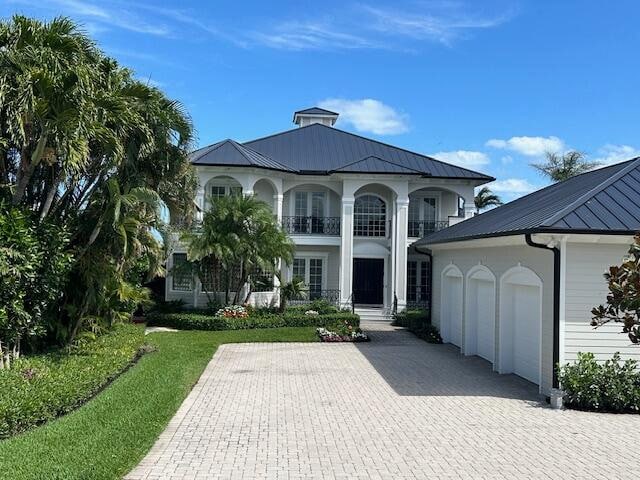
(394, 408)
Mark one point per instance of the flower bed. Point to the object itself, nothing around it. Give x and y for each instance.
(356, 335)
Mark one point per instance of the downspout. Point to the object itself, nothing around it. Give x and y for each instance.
(556, 302)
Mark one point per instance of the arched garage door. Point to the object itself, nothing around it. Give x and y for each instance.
(451, 305)
(520, 323)
(480, 313)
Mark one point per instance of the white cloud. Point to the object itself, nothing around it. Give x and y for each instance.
(368, 115)
(610, 154)
(365, 26)
(464, 158)
(443, 23)
(530, 146)
(512, 186)
(312, 36)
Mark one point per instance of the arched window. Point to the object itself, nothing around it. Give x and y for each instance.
(369, 217)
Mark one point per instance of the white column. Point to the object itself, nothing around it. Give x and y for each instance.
(400, 252)
(200, 203)
(277, 205)
(346, 250)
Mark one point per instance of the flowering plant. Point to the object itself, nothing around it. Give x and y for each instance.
(346, 334)
(311, 313)
(233, 311)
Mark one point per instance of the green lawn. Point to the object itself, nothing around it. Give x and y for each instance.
(106, 437)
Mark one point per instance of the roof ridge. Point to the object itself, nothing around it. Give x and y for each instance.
(240, 147)
(209, 148)
(633, 163)
(382, 160)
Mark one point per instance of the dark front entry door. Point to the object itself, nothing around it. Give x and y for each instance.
(368, 281)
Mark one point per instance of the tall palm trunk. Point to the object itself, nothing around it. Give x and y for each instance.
(26, 169)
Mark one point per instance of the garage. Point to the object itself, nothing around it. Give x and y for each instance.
(452, 305)
(480, 331)
(520, 323)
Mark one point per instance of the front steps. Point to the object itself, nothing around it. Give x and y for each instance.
(368, 314)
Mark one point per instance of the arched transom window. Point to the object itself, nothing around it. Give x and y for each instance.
(369, 216)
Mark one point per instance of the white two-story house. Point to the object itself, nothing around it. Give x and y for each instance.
(352, 205)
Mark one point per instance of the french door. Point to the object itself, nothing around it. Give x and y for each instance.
(309, 212)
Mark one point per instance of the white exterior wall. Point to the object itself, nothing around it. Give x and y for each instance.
(277, 189)
(586, 288)
(498, 260)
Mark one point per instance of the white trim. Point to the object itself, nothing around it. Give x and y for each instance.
(450, 270)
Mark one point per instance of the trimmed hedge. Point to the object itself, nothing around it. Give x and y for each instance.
(42, 387)
(197, 321)
(418, 322)
(412, 319)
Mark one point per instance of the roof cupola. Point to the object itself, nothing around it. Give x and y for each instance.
(308, 116)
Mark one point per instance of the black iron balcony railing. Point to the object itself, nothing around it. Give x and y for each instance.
(331, 296)
(420, 228)
(311, 225)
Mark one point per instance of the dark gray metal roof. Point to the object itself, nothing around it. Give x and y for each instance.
(321, 149)
(315, 111)
(229, 152)
(373, 164)
(606, 200)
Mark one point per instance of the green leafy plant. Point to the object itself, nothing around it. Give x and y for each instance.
(198, 321)
(612, 386)
(92, 150)
(41, 387)
(295, 288)
(623, 300)
(33, 271)
(239, 236)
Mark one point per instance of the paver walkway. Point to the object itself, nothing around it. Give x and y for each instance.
(393, 408)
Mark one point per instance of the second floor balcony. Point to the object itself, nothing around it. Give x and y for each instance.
(311, 225)
(420, 228)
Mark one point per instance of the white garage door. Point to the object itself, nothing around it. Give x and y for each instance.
(452, 306)
(481, 312)
(520, 321)
(526, 351)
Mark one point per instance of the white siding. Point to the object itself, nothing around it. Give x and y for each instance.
(499, 260)
(585, 289)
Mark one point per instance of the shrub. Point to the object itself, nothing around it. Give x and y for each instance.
(418, 322)
(196, 321)
(612, 386)
(320, 305)
(412, 319)
(41, 387)
(428, 333)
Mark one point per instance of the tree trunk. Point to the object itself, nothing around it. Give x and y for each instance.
(26, 169)
(51, 194)
(16, 349)
(1, 357)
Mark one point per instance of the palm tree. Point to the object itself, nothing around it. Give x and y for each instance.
(90, 148)
(242, 235)
(290, 290)
(486, 198)
(560, 167)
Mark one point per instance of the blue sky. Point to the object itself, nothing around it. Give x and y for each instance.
(488, 84)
